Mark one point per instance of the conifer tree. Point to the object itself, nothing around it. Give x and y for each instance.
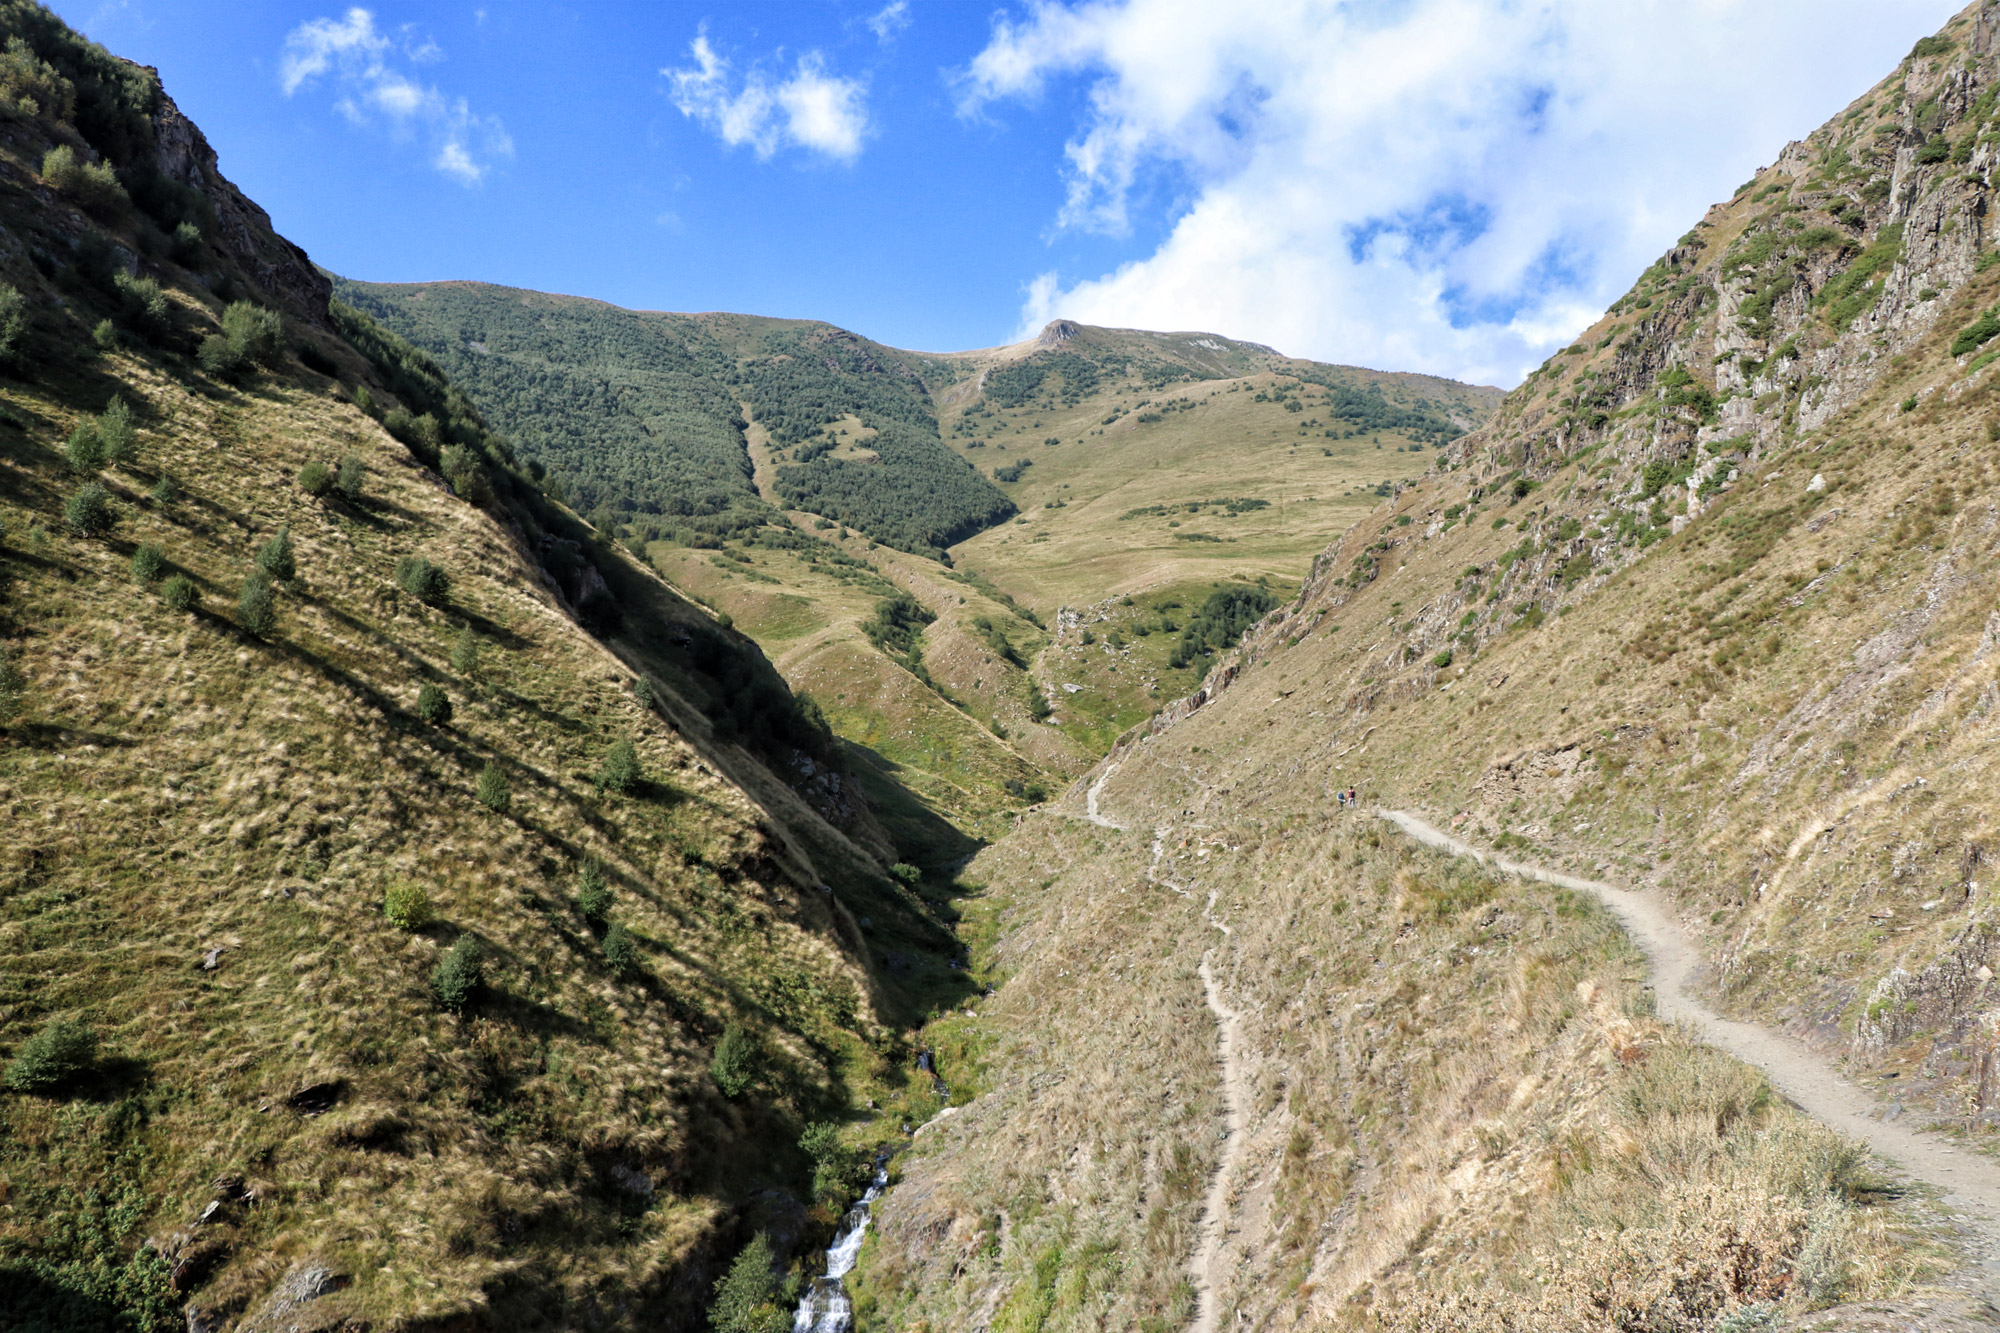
(256, 605)
(275, 556)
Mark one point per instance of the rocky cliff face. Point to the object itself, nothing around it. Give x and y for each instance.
(243, 234)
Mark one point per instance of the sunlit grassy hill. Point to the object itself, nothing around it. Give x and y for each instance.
(413, 913)
(1180, 464)
(1706, 609)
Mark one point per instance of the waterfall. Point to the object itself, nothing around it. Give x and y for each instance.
(825, 1307)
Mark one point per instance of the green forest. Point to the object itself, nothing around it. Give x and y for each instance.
(637, 418)
(917, 495)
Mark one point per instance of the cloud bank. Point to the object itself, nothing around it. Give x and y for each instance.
(355, 55)
(814, 110)
(1457, 186)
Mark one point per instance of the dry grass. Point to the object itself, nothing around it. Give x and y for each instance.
(1228, 446)
(175, 786)
(1453, 1072)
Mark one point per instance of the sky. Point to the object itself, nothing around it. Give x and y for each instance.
(1450, 186)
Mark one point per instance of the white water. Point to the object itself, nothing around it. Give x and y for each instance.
(825, 1307)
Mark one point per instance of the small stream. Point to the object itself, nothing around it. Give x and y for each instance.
(825, 1307)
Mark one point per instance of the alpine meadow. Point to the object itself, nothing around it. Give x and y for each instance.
(523, 813)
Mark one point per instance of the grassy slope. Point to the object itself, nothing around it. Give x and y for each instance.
(174, 785)
(1227, 445)
(972, 751)
(1774, 709)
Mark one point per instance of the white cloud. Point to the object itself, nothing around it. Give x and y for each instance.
(891, 19)
(315, 45)
(356, 55)
(1446, 185)
(812, 109)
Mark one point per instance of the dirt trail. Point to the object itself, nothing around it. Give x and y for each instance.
(1207, 1265)
(1968, 1180)
(1090, 802)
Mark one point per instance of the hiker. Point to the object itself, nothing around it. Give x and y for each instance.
(1353, 798)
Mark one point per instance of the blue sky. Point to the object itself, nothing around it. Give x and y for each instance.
(1455, 186)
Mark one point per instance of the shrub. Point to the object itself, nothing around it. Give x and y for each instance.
(257, 605)
(620, 953)
(93, 185)
(253, 332)
(493, 790)
(461, 467)
(906, 872)
(88, 512)
(217, 357)
(1442, 660)
(1654, 478)
(620, 770)
(1977, 334)
(434, 706)
(736, 1062)
(148, 563)
(316, 480)
(465, 651)
(459, 976)
(166, 490)
(52, 1057)
(13, 321)
(420, 434)
(115, 434)
(746, 1297)
(84, 451)
(104, 335)
(351, 478)
(835, 1165)
(180, 593)
(143, 307)
(275, 557)
(13, 689)
(186, 244)
(422, 580)
(31, 88)
(593, 899)
(407, 906)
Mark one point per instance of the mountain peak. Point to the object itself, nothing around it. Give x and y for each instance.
(1057, 332)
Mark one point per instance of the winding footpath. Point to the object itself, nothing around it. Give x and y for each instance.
(1968, 1180)
(1208, 1262)
(1090, 804)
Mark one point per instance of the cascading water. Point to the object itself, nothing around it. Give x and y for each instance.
(825, 1307)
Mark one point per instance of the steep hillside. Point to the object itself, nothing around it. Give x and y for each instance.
(773, 469)
(1706, 610)
(415, 914)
